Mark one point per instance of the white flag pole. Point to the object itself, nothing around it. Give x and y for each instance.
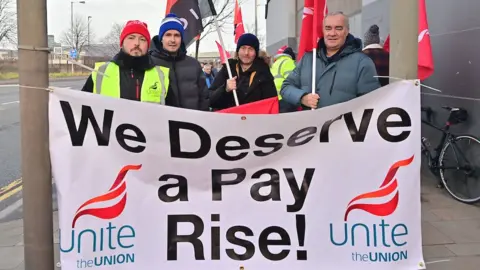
(225, 57)
(314, 70)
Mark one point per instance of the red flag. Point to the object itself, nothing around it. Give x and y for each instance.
(265, 106)
(425, 56)
(222, 57)
(238, 22)
(314, 12)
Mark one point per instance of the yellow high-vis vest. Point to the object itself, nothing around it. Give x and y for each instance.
(280, 70)
(154, 87)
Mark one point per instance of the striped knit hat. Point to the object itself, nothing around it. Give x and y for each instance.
(171, 22)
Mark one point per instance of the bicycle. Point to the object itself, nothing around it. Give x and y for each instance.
(438, 159)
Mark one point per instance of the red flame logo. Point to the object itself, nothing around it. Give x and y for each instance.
(118, 188)
(388, 187)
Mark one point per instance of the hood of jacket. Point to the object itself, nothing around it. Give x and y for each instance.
(352, 45)
(157, 50)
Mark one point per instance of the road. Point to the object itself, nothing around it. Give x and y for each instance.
(10, 159)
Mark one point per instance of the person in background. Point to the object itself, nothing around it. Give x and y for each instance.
(131, 74)
(207, 69)
(379, 56)
(252, 79)
(343, 71)
(213, 69)
(283, 65)
(264, 55)
(188, 84)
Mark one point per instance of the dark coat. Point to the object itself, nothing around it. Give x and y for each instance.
(381, 59)
(188, 88)
(252, 85)
(132, 71)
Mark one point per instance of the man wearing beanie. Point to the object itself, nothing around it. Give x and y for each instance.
(188, 88)
(131, 74)
(343, 72)
(283, 65)
(252, 79)
(379, 56)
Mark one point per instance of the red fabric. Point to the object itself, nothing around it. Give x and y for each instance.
(313, 14)
(280, 51)
(135, 27)
(238, 22)
(222, 57)
(265, 106)
(425, 56)
(170, 3)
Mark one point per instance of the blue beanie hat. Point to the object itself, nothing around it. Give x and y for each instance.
(171, 22)
(248, 40)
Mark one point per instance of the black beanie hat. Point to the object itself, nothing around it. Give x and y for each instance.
(290, 52)
(249, 40)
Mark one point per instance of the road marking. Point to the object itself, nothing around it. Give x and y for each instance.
(11, 102)
(11, 189)
(8, 85)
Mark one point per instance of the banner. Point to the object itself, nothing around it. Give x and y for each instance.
(143, 186)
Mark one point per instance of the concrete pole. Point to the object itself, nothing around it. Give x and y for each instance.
(404, 39)
(37, 179)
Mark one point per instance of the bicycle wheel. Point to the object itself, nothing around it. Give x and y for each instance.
(464, 185)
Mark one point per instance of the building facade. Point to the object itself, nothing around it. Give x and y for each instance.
(454, 28)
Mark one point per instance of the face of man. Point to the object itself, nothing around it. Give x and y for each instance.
(207, 69)
(335, 31)
(171, 41)
(135, 45)
(246, 54)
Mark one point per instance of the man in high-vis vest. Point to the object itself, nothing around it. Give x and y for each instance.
(284, 63)
(131, 74)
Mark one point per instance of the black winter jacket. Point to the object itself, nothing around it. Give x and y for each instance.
(188, 88)
(132, 71)
(249, 88)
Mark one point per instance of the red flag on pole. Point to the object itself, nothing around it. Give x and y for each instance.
(425, 56)
(265, 106)
(239, 29)
(220, 51)
(314, 12)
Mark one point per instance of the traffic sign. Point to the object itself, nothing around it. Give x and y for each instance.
(73, 53)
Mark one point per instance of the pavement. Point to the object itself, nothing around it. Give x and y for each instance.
(450, 233)
(10, 160)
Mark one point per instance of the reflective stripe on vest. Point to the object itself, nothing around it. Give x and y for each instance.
(107, 82)
(278, 78)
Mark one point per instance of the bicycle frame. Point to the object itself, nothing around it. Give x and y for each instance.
(445, 135)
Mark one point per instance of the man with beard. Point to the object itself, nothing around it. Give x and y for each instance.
(131, 74)
(188, 87)
(252, 78)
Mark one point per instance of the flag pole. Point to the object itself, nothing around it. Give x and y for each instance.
(225, 57)
(314, 70)
(214, 14)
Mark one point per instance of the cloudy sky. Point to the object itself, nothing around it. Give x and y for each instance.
(107, 12)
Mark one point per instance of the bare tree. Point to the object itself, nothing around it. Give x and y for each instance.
(225, 12)
(8, 22)
(250, 28)
(76, 37)
(112, 39)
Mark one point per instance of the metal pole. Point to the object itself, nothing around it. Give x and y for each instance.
(88, 31)
(73, 32)
(404, 39)
(256, 18)
(37, 179)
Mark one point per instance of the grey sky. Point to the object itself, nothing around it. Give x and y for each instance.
(106, 12)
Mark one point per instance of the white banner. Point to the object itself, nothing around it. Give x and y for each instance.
(142, 186)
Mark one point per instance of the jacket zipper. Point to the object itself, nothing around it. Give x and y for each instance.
(137, 85)
(333, 82)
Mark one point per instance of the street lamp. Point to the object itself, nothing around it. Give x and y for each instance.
(73, 33)
(88, 30)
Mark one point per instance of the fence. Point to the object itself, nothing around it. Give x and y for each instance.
(55, 64)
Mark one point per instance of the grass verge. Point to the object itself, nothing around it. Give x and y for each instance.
(14, 75)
